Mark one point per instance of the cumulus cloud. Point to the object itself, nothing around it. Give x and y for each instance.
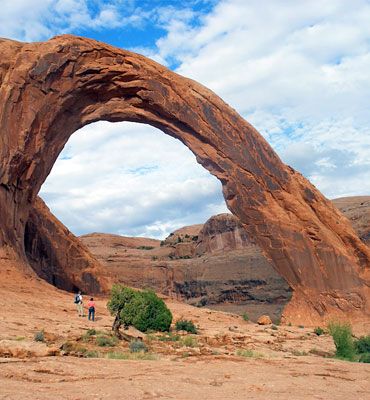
(35, 20)
(129, 179)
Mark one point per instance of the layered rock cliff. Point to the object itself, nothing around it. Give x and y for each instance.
(215, 265)
(50, 89)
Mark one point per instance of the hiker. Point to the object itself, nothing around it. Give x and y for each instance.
(78, 301)
(91, 306)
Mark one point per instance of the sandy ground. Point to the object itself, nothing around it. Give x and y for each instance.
(286, 362)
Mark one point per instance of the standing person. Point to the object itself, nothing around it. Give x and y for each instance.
(78, 301)
(91, 305)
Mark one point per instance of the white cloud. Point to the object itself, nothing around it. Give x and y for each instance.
(129, 179)
(298, 72)
(35, 20)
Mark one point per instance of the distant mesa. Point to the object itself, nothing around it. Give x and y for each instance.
(51, 89)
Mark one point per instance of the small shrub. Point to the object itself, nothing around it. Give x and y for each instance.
(187, 236)
(145, 248)
(185, 325)
(245, 353)
(365, 358)
(189, 341)
(90, 332)
(170, 337)
(39, 336)
(245, 316)
(342, 336)
(67, 346)
(194, 238)
(318, 331)
(362, 345)
(179, 240)
(117, 355)
(300, 353)
(19, 339)
(300, 326)
(93, 354)
(81, 350)
(106, 341)
(137, 346)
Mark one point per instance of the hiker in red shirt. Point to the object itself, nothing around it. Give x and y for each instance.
(91, 306)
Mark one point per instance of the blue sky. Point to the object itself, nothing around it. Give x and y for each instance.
(298, 71)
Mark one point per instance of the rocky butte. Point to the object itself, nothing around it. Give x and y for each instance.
(50, 89)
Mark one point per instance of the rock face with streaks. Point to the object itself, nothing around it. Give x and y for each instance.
(50, 89)
(57, 256)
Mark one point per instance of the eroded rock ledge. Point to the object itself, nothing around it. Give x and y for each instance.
(51, 89)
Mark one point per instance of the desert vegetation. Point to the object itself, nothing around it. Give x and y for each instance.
(348, 348)
(142, 309)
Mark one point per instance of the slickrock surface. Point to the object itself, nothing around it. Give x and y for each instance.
(50, 89)
(229, 359)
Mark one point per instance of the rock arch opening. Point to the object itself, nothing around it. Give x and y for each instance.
(51, 89)
(132, 180)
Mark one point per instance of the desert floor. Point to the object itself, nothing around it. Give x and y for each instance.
(280, 362)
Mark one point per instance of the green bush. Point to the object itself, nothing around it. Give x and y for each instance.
(365, 358)
(143, 310)
(39, 336)
(362, 345)
(342, 336)
(318, 331)
(136, 346)
(245, 316)
(185, 325)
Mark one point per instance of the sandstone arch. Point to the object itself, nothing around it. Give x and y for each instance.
(51, 89)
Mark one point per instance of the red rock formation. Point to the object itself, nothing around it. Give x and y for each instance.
(51, 89)
(57, 256)
(222, 233)
(357, 210)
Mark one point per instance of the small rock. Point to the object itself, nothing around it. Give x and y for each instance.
(264, 320)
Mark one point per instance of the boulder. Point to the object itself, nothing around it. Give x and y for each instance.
(264, 320)
(23, 349)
